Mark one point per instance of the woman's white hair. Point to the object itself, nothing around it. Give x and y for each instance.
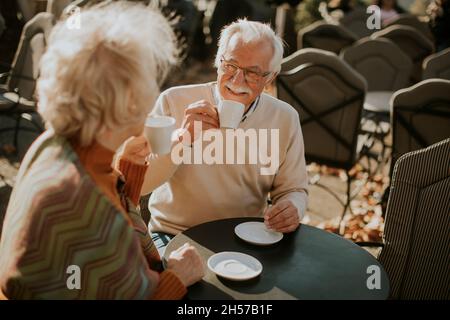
(105, 74)
(251, 31)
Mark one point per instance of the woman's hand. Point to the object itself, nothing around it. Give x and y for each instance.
(136, 150)
(186, 263)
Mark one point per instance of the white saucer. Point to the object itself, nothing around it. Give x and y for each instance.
(257, 233)
(234, 265)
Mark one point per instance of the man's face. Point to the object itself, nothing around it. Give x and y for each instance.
(255, 58)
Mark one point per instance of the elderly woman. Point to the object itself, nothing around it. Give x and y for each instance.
(71, 229)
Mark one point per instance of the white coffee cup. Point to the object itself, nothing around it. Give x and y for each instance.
(158, 131)
(230, 113)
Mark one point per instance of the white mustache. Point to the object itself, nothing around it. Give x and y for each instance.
(238, 89)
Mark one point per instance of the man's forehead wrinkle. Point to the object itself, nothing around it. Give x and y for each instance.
(236, 43)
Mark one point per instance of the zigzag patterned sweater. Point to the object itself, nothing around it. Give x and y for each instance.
(61, 214)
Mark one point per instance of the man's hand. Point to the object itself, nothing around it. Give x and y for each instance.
(136, 150)
(202, 111)
(282, 217)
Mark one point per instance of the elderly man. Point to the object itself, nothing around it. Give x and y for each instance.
(249, 57)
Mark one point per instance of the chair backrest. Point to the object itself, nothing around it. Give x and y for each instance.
(285, 27)
(189, 20)
(437, 65)
(417, 233)
(325, 36)
(412, 42)
(420, 116)
(25, 66)
(382, 63)
(356, 22)
(407, 19)
(328, 95)
(2, 24)
(29, 8)
(294, 60)
(227, 11)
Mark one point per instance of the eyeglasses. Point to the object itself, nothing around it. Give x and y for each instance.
(251, 76)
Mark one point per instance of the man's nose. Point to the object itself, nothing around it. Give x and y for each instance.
(238, 77)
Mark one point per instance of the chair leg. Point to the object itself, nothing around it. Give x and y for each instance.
(381, 137)
(366, 152)
(346, 205)
(327, 189)
(16, 134)
(369, 164)
(377, 135)
(341, 226)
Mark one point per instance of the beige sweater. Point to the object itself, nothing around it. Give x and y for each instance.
(186, 194)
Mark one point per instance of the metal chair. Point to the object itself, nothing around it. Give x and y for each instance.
(227, 11)
(325, 36)
(356, 22)
(420, 116)
(328, 95)
(437, 65)
(416, 236)
(386, 69)
(381, 62)
(407, 19)
(2, 24)
(17, 95)
(188, 26)
(412, 42)
(29, 8)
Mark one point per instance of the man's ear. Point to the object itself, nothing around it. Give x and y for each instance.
(270, 86)
(272, 78)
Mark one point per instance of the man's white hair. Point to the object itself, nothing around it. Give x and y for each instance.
(252, 31)
(106, 73)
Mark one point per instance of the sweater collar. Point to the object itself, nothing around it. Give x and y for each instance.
(95, 156)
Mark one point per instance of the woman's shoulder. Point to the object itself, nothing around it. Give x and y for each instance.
(49, 173)
(49, 156)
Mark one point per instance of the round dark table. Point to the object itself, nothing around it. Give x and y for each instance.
(307, 264)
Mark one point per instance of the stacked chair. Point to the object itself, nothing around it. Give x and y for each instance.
(437, 65)
(386, 69)
(17, 93)
(356, 22)
(325, 36)
(420, 116)
(329, 96)
(413, 43)
(407, 19)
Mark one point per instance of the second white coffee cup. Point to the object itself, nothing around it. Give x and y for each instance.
(230, 113)
(158, 131)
